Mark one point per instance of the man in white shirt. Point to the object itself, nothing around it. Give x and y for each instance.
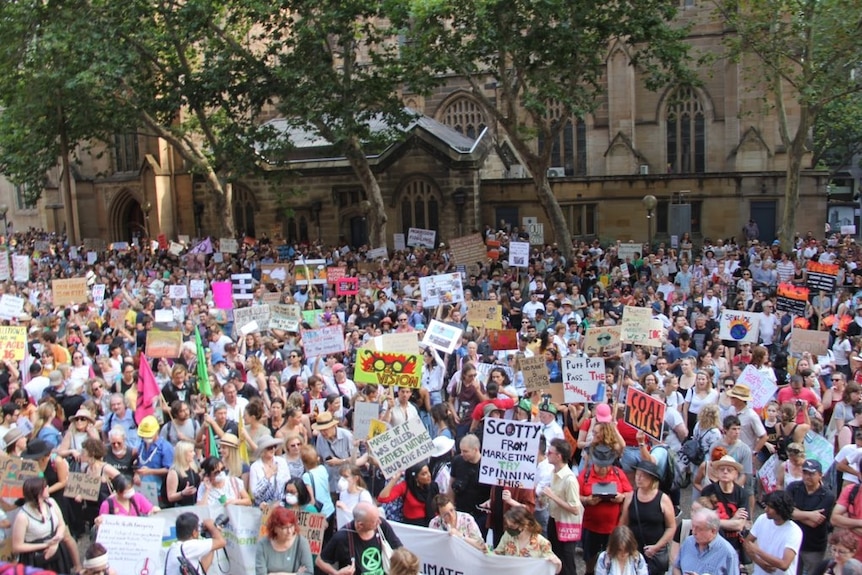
(190, 546)
(531, 306)
(548, 418)
(38, 383)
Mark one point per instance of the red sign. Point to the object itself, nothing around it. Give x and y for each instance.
(163, 241)
(347, 286)
(645, 413)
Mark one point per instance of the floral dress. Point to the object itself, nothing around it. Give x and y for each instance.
(538, 547)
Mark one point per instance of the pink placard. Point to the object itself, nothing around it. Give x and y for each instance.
(347, 286)
(223, 295)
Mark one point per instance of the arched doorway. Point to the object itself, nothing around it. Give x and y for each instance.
(127, 218)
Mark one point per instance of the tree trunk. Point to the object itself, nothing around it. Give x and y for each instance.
(224, 193)
(68, 208)
(795, 155)
(377, 214)
(555, 213)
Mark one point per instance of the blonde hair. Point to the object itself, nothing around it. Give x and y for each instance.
(180, 464)
(403, 562)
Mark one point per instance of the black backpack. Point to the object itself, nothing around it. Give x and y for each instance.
(186, 566)
(782, 443)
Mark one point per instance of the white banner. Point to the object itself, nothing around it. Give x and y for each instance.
(21, 268)
(739, 326)
(11, 306)
(510, 453)
(5, 271)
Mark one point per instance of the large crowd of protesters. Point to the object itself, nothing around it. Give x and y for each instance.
(271, 427)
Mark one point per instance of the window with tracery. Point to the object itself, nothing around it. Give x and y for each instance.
(126, 153)
(420, 207)
(243, 211)
(569, 149)
(686, 133)
(465, 116)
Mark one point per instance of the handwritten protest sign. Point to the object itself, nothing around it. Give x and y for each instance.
(468, 250)
(739, 326)
(335, 273)
(402, 446)
(629, 252)
(419, 238)
(274, 273)
(243, 316)
(380, 253)
(11, 306)
(519, 254)
(20, 268)
(645, 413)
(502, 339)
(582, 377)
(819, 449)
(164, 343)
(312, 526)
(635, 327)
(510, 453)
(767, 474)
(83, 485)
(5, 268)
(197, 288)
(442, 337)
(388, 368)
(13, 342)
(762, 388)
(178, 291)
(285, 317)
(271, 297)
(603, 341)
(821, 276)
(98, 293)
(487, 314)
(535, 372)
(399, 242)
(228, 246)
(14, 471)
(364, 412)
(323, 341)
(809, 340)
(792, 299)
(133, 543)
(441, 289)
(403, 342)
(70, 291)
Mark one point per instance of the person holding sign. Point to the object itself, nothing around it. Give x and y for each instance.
(566, 510)
(523, 538)
(418, 491)
(284, 550)
(197, 550)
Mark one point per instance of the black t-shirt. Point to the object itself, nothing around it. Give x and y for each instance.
(726, 505)
(347, 545)
(248, 391)
(465, 483)
(813, 538)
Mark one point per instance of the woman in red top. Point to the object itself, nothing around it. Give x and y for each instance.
(417, 491)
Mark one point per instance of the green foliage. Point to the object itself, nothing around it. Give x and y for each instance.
(838, 133)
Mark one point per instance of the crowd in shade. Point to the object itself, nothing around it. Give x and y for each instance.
(221, 375)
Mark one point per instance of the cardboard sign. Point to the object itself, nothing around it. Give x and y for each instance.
(519, 254)
(503, 339)
(792, 299)
(312, 527)
(821, 276)
(419, 238)
(635, 326)
(323, 341)
(535, 372)
(485, 314)
(399, 242)
(70, 291)
(402, 446)
(364, 412)
(739, 326)
(442, 337)
(809, 340)
(176, 248)
(271, 297)
(133, 543)
(197, 288)
(629, 252)
(21, 268)
(164, 343)
(83, 485)
(228, 246)
(347, 286)
(762, 388)
(603, 341)
(537, 233)
(285, 317)
(441, 289)
(260, 314)
(309, 271)
(11, 306)
(388, 368)
(403, 342)
(510, 452)
(179, 291)
(13, 342)
(767, 474)
(582, 377)
(468, 250)
(645, 413)
(274, 273)
(380, 253)
(14, 471)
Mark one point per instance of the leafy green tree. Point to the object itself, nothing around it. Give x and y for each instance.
(838, 133)
(804, 52)
(547, 60)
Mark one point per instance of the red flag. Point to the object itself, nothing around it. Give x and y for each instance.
(148, 390)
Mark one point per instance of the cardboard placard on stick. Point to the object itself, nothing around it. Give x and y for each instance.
(70, 291)
(83, 485)
(535, 372)
(487, 314)
(402, 446)
(809, 340)
(645, 413)
(510, 452)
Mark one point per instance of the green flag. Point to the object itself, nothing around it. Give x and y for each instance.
(203, 377)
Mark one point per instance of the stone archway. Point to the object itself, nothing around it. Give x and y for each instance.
(126, 217)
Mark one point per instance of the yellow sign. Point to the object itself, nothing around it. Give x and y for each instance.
(376, 428)
(70, 291)
(13, 342)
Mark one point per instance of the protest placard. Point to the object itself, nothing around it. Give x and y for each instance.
(399, 242)
(402, 446)
(535, 372)
(164, 316)
(762, 388)
(11, 306)
(582, 376)
(403, 342)
(82, 485)
(259, 313)
(20, 268)
(313, 317)
(70, 291)
(487, 314)
(13, 342)
(739, 326)
(335, 273)
(380, 253)
(767, 474)
(312, 527)
(536, 233)
(388, 368)
(271, 297)
(645, 413)
(510, 452)
(274, 273)
(133, 543)
(441, 289)
(222, 294)
(5, 268)
(14, 471)
(228, 246)
(178, 291)
(419, 238)
(442, 337)
(98, 293)
(364, 412)
(792, 299)
(819, 449)
(821, 276)
(519, 254)
(629, 252)
(197, 288)
(164, 343)
(347, 286)
(502, 339)
(809, 340)
(468, 250)
(176, 248)
(635, 327)
(285, 317)
(323, 341)
(313, 271)
(377, 427)
(603, 341)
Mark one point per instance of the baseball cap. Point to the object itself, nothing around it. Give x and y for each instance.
(812, 466)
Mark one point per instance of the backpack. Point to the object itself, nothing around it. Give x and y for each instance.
(131, 502)
(186, 566)
(782, 443)
(670, 475)
(692, 451)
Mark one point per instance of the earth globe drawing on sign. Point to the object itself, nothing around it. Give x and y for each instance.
(604, 339)
(739, 328)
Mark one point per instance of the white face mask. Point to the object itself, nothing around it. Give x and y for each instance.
(129, 493)
(343, 484)
(221, 477)
(291, 498)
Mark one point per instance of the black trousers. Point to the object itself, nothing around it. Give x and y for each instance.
(565, 550)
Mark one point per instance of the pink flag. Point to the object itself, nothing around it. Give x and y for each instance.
(148, 390)
(222, 295)
(25, 365)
